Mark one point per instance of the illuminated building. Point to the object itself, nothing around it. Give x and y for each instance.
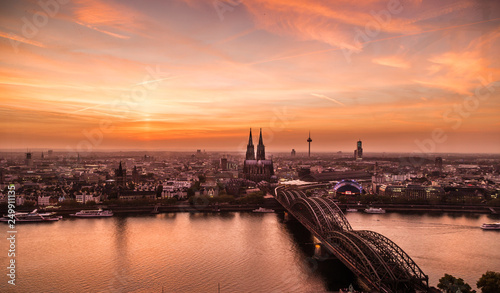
(257, 169)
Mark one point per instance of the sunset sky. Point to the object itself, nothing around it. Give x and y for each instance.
(406, 76)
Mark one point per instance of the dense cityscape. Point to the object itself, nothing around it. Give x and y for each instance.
(59, 184)
(48, 178)
(189, 146)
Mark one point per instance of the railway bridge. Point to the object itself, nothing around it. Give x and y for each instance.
(377, 260)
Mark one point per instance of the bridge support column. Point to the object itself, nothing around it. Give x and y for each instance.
(320, 252)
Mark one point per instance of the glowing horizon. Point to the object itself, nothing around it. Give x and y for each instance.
(409, 76)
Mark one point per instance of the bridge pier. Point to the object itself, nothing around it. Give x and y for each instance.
(287, 217)
(320, 252)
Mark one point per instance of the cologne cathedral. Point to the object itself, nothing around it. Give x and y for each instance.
(257, 169)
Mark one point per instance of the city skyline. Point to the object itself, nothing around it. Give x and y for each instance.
(406, 76)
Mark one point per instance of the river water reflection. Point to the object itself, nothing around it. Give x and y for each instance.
(241, 252)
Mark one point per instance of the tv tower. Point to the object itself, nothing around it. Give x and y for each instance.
(309, 141)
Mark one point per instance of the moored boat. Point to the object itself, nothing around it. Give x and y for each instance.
(490, 226)
(375, 211)
(351, 210)
(263, 210)
(93, 213)
(33, 216)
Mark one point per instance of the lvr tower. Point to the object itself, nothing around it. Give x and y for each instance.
(257, 169)
(309, 141)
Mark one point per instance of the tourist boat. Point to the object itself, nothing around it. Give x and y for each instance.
(93, 213)
(33, 216)
(375, 211)
(351, 210)
(490, 226)
(263, 210)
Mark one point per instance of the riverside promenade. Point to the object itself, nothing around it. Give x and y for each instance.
(269, 203)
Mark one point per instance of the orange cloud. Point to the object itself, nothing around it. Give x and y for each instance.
(459, 71)
(392, 61)
(107, 18)
(16, 38)
(400, 82)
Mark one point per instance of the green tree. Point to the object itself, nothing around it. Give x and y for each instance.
(450, 284)
(70, 203)
(489, 282)
(169, 201)
(113, 194)
(200, 201)
(221, 186)
(159, 190)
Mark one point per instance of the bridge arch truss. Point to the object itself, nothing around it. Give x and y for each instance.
(369, 254)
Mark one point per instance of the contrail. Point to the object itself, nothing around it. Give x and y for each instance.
(90, 107)
(328, 98)
(156, 80)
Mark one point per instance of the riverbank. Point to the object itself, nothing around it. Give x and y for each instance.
(270, 204)
(181, 207)
(427, 208)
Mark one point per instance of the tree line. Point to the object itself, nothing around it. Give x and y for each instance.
(488, 283)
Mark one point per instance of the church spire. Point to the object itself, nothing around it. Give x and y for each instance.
(250, 150)
(261, 153)
(250, 139)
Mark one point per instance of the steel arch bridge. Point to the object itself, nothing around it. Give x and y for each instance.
(370, 255)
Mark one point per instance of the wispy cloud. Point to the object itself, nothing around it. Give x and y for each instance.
(113, 19)
(328, 98)
(156, 80)
(17, 38)
(271, 61)
(392, 61)
(104, 31)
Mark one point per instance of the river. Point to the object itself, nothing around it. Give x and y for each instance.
(238, 252)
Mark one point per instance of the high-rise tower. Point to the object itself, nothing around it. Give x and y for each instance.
(358, 152)
(250, 150)
(309, 141)
(135, 175)
(261, 151)
(29, 159)
(439, 164)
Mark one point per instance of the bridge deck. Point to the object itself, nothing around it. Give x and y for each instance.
(371, 256)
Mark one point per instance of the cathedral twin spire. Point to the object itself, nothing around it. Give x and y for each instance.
(250, 149)
(261, 153)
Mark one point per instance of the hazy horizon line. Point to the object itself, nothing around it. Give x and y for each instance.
(241, 152)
